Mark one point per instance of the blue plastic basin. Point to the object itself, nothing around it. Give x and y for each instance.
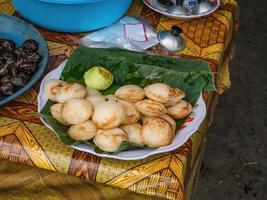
(72, 15)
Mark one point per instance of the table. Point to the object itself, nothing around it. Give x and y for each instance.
(23, 138)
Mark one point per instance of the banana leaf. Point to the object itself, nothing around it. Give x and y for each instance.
(191, 76)
(129, 67)
(154, 60)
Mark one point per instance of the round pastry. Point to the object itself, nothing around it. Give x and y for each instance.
(76, 111)
(175, 99)
(110, 140)
(170, 120)
(109, 114)
(71, 91)
(60, 91)
(151, 108)
(163, 93)
(134, 132)
(132, 114)
(56, 113)
(95, 100)
(157, 132)
(53, 88)
(131, 93)
(84, 131)
(180, 110)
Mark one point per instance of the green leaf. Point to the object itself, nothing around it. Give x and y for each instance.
(46, 109)
(130, 67)
(165, 62)
(111, 89)
(179, 122)
(89, 143)
(126, 145)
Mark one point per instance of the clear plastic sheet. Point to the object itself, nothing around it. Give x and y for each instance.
(132, 33)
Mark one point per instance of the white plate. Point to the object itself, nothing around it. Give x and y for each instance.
(154, 5)
(187, 130)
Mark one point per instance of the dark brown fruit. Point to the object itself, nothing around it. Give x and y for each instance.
(30, 45)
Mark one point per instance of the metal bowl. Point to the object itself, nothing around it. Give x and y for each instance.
(204, 7)
(154, 5)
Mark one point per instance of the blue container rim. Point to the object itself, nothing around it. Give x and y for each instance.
(70, 1)
(42, 66)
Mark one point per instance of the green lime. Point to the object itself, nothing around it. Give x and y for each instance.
(98, 78)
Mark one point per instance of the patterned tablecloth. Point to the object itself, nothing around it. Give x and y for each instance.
(24, 139)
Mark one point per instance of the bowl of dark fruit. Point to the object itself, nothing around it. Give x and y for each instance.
(23, 57)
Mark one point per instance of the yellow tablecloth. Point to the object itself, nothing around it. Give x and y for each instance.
(24, 139)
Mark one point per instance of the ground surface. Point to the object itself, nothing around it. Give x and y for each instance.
(235, 161)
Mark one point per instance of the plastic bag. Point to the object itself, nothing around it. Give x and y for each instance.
(130, 33)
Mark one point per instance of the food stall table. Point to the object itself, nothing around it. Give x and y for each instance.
(24, 139)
